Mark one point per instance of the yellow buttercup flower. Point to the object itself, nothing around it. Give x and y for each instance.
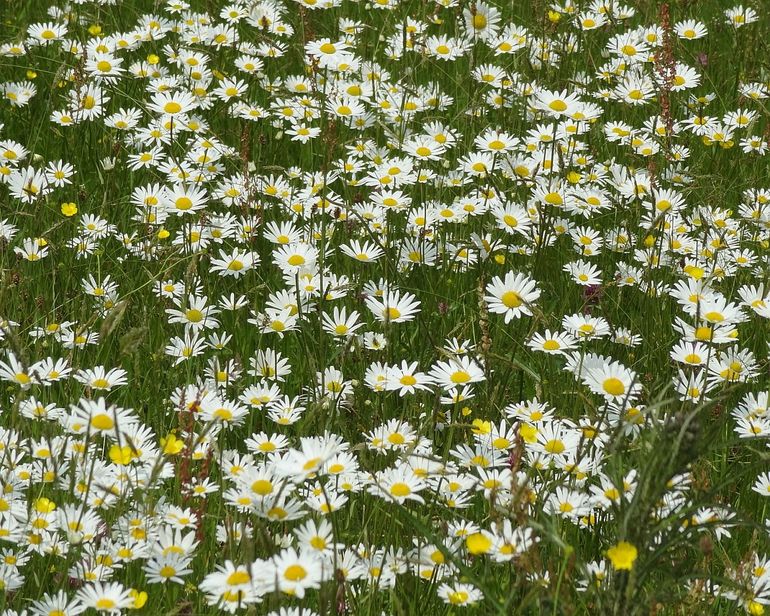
(139, 597)
(478, 543)
(69, 209)
(121, 455)
(171, 445)
(622, 555)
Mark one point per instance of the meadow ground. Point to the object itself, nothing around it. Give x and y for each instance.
(319, 307)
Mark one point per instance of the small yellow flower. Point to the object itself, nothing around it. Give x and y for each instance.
(121, 455)
(31, 74)
(163, 234)
(171, 445)
(554, 17)
(44, 505)
(139, 597)
(528, 433)
(500, 259)
(94, 29)
(481, 427)
(755, 608)
(622, 555)
(573, 177)
(694, 272)
(69, 209)
(478, 543)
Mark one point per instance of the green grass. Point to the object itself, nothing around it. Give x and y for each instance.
(683, 553)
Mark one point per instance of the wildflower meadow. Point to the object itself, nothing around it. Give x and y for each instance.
(384, 307)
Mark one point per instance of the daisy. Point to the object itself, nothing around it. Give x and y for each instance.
(264, 444)
(613, 381)
(393, 307)
(234, 264)
(196, 316)
(44, 33)
(424, 148)
(104, 67)
(445, 47)
(295, 257)
(406, 379)
(512, 296)
(482, 21)
(587, 242)
(690, 29)
(365, 252)
(58, 603)
(495, 141)
(296, 572)
(740, 16)
(232, 587)
(183, 199)
(302, 132)
(586, 327)
(28, 184)
(109, 597)
(95, 417)
(59, 173)
(456, 372)
(275, 321)
(172, 104)
(512, 218)
(584, 273)
(762, 484)
(340, 324)
(691, 353)
(398, 484)
(15, 372)
(635, 89)
(552, 343)
(99, 379)
(282, 233)
(328, 53)
(557, 103)
(557, 440)
(167, 568)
